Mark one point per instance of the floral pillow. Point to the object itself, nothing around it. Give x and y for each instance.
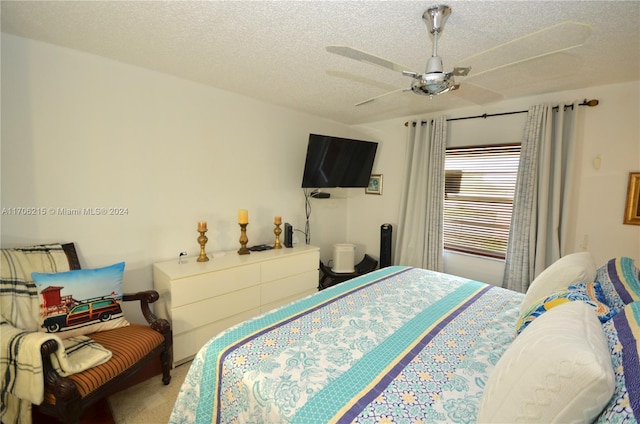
(590, 293)
(623, 337)
(80, 302)
(619, 281)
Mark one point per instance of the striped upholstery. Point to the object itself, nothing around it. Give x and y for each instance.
(127, 344)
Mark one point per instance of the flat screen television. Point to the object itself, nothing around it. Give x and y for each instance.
(338, 162)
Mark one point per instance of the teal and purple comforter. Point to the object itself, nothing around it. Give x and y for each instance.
(400, 345)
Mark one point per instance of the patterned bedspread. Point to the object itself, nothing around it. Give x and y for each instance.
(400, 345)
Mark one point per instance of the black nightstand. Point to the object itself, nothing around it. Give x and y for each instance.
(330, 278)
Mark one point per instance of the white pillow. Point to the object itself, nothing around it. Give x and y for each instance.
(557, 370)
(569, 269)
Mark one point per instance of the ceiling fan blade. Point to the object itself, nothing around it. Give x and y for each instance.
(556, 38)
(361, 80)
(365, 57)
(373, 99)
(476, 94)
(535, 74)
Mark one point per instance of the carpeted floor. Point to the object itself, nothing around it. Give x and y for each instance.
(149, 402)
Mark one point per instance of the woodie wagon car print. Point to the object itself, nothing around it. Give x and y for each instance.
(102, 310)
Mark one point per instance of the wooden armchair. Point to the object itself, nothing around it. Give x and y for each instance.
(138, 352)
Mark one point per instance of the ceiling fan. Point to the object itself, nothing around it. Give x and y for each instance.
(435, 81)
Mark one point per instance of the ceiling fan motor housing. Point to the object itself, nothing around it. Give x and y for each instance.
(434, 64)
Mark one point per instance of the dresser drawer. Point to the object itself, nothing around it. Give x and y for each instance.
(292, 265)
(186, 345)
(292, 286)
(281, 302)
(194, 315)
(193, 289)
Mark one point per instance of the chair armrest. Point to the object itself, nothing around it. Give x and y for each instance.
(48, 348)
(63, 388)
(145, 298)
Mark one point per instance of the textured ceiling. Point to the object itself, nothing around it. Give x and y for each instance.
(275, 51)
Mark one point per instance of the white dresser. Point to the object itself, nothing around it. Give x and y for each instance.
(201, 299)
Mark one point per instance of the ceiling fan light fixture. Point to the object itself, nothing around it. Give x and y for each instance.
(434, 83)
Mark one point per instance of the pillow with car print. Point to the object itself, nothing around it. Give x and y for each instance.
(80, 302)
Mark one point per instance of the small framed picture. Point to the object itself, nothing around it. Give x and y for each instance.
(375, 184)
(632, 209)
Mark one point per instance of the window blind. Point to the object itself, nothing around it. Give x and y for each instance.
(479, 186)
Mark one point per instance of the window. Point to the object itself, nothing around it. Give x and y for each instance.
(479, 186)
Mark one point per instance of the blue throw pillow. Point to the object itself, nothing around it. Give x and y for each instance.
(80, 302)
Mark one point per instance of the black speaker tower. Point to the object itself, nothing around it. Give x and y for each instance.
(385, 245)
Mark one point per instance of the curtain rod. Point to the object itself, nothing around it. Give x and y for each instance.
(585, 102)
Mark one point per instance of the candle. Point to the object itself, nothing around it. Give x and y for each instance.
(243, 216)
(202, 225)
(277, 220)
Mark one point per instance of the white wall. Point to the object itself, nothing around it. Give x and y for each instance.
(80, 131)
(610, 130)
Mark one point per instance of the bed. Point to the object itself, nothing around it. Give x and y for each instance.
(408, 345)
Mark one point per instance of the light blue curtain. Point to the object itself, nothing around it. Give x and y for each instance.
(540, 220)
(421, 210)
